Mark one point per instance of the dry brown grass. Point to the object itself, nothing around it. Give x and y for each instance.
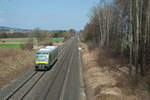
(106, 77)
(109, 57)
(4, 53)
(13, 63)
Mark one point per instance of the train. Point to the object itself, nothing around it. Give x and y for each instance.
(46, 57)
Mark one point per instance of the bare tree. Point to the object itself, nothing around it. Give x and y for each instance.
(124, 26)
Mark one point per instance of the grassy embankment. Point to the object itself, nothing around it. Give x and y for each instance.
(107, 77)
(13, 63)
(13, 60)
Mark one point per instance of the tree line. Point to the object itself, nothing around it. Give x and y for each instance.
(123, 25)
(14, 34)
(37, 32)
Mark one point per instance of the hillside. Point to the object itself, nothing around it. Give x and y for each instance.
(9, 29)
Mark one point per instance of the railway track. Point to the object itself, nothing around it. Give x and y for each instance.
(64, 63)
(20, 92)
(57, 77)
(66, 76)
(36, 76)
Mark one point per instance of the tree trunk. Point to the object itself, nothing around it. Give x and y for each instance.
(137, 36)
(131, 37)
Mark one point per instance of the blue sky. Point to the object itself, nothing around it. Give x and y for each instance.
(45, 14)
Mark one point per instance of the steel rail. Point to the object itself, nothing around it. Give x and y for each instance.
(63, 51)
(54, 78)
(20, 86)
(33, 85)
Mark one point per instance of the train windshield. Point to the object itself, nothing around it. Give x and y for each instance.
(41, 57)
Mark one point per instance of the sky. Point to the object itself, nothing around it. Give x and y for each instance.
(45, 14)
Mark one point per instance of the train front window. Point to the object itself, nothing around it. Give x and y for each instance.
(41, 57)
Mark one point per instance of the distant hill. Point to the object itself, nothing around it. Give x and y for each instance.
(8, 29)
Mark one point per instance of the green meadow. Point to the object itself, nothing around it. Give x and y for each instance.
(16, 42)
(15, 39)
(58, 40)
(14, 46)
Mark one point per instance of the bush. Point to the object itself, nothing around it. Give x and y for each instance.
(45, 43)
(7, 52)
(28, 45)
(109, 57)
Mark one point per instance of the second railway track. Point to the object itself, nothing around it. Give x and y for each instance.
(20, 92)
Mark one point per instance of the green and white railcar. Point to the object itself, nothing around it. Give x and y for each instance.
(46, 57)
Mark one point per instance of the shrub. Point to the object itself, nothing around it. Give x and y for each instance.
(28, 45)
(45, 43)
(6, 52)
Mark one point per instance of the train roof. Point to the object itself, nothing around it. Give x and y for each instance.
(47, 49)
(51, 47)
(43, 50)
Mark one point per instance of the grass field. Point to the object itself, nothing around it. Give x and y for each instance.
(26, 39)
(58, 39)
(15, 42)
(15, 39)
(14, 46)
